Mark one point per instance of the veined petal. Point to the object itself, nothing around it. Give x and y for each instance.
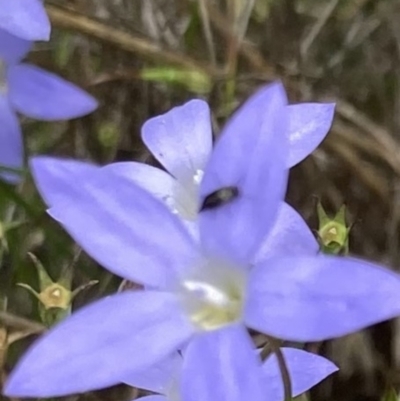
(101, 343)
(12, 49)
(251, 156)
(158, 377)
(317, 298)
(305, 369)
(290, 236)
(163, 186)
(181, 139)
(39, 94)
(11, 146)
(26, 19)
(156, 181)
(309, 124)
(54, 177)
(222, 365)
(127, 230)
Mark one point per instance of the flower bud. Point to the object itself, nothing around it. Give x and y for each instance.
(333, 232)
(55, 298)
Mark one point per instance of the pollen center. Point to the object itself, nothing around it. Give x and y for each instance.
(213, 296)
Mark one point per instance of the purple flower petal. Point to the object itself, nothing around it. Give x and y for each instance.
(55, 177)
(26, 19)
(290, 236)
(101, 343)
(163, 186)
(251, 155)
(156, 181)
(12, 49)
(308, 125)
(39, 94)
(157, 378)
(127, 230)
(181, 139)
(317, 298)
(11, 146)
(222, 365)
(306, 370)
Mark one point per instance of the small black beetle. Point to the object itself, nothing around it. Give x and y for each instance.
(219, 198)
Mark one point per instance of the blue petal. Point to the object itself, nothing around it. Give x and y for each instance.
(39, 94)
(55, 177)
(290, 236)
(251, 155)
(157, 378)
(222, 365)
(305, 369)
(12, 49)
(317, 298)
(11, 146)
(101, 343)
(26, 19)
(163, 186)
(181, 139)
(127, 230)
(156, 181)
(309, 124)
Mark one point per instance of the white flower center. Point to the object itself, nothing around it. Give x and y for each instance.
(213, 295)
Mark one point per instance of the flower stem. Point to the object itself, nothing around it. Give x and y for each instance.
(287, 384)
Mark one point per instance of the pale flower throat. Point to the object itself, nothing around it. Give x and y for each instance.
(213, 295)
(184, 201)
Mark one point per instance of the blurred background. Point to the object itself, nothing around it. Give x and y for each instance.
(139, 58)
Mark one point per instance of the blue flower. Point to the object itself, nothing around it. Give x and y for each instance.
(181, 140)
(305, 369)
(34, 92)
(26, 19)
(203, 294)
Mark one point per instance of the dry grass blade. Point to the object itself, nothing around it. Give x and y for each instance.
(20, 323)
(71, 20)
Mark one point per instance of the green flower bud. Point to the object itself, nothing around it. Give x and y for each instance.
(333, 232)
(55, 298)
